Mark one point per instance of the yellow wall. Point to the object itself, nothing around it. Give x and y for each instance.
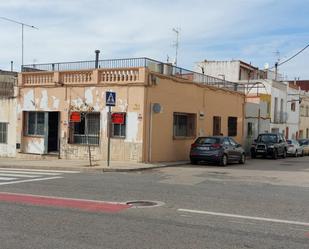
(187, 98)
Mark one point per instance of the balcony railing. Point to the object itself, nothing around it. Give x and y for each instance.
(126, 70)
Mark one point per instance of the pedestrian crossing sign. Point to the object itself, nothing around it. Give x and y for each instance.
(110, 99)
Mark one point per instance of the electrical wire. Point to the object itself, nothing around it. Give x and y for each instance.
(281, 63)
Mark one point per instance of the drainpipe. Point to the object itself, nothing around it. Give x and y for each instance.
(150, 135)
(97, 53)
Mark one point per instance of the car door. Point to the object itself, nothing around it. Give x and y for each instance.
(235, 150)
(227, 147)
(281, 146)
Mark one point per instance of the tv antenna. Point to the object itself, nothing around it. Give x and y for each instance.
(22, 34)
(176, 43)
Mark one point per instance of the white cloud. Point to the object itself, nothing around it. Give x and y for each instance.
(72, 29)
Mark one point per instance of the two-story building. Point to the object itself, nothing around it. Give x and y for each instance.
(160, 109)
(280, 109)
(8, 92)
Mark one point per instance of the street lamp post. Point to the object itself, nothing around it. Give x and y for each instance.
(22, 34)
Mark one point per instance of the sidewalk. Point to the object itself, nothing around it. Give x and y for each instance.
(83, 165)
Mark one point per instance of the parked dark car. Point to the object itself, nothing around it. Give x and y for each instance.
(217, 149)
(304, 143)
(269, 144)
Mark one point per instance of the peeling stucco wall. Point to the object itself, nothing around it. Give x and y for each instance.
(33, 145)
(8, 115)
(129, 100)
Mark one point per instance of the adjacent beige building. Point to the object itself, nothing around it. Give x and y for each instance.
(304, 115)
(162, 108)
(8, 83)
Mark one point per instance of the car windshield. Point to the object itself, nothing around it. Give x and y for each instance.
(267, 138)
(303, 142)
(208, 140)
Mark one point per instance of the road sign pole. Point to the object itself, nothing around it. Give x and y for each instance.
(109, 135)
(110, 100)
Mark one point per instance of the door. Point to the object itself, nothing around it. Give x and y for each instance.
(228, 148)
(236, 153)
(53, 132)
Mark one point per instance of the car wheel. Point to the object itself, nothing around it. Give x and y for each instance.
(275, 154)
(302, 154)
(284, 154)
(242, 159)
(194, 162)
(223, 161)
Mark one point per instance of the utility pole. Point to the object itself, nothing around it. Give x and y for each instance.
(22, 34)
(176, 44)
(277, 54)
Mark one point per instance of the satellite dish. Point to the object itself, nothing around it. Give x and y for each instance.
(156, 108)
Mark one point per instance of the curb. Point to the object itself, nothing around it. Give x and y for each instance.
(87, 168)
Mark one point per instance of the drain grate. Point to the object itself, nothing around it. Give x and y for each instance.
(144, 204)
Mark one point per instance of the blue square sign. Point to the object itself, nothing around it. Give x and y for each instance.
(110, 99)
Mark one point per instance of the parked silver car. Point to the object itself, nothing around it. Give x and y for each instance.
(294, 148)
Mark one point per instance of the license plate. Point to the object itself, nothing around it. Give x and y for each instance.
(203, 148)
(260, 150)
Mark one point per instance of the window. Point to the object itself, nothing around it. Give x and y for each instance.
(207, 140)
(268, 108)
(276, 118)
(232, 126)
(3, 133)
(232, 141)
(226, 142)
(249, 129)
(293, 106)
(184, 125)
(35, 123)
(119, 128)
(87, 131)
(216, 125)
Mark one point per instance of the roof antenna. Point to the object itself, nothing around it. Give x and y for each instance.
(176, 43)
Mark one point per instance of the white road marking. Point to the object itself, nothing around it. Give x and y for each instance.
(29, 172)
(245, 217)
(16, 175)
(7, 178)
(42, 170)
(19, 175)
(31, 180)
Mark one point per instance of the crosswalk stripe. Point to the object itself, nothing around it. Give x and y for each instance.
(31, 180)
(19, 175)
(28, 172)
(7, 178)
(42, 170)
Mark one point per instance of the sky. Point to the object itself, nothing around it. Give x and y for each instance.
(70, 30)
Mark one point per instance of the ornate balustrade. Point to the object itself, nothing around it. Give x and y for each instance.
(38, 78)
(87, 77)
(76, 77)
(120, 75)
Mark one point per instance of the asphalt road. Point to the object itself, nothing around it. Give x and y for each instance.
(264, 204)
